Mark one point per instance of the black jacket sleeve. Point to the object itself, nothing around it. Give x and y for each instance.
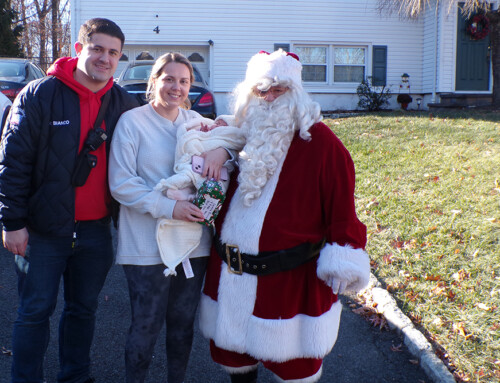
(17, 158)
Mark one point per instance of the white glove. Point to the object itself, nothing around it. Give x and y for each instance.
(338, 285)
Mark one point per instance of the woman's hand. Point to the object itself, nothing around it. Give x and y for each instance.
(186, 211)
(214, 159)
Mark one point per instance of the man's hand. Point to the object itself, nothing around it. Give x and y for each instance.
(16, 241)
(186, 211)
(214, 159)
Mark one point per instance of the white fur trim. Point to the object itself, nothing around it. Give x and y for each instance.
(277, 66)
(344, 263)
(302, 336)
(310, 379)
(231, 324)
(207, 320)
(243, 224)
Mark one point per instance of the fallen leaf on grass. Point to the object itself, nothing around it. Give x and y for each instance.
(411, 295)
(6, 351)
(387, 258)
(392, 287)
(431, 277)
(438, 291)
(479, 373)
(451, 296)
(495, 327)
(461, 275)
(459, 328)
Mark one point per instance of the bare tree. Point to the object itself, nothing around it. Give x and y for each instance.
(46, 31)
(413, 8)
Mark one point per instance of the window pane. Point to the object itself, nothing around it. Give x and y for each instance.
(346, 73)
(311, 55)
(350, 56)
(314, 73)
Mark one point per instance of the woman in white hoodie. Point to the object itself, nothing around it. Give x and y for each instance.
(143, 153)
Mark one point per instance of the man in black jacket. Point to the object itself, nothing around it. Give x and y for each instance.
(55, 202)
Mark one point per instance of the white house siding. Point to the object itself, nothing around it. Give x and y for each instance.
(241, 28)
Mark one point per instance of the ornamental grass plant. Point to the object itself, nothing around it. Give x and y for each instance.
(427, 187)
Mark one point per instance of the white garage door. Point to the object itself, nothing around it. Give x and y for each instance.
(198, 55)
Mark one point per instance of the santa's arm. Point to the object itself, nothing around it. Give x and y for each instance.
(343, 263)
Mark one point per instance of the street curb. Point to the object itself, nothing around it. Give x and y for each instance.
(417, 343)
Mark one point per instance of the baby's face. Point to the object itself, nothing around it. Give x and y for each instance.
(220, 122)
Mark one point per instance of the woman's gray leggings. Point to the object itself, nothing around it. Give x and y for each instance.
(156, 299)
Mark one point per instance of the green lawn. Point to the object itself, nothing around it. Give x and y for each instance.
(428, 189)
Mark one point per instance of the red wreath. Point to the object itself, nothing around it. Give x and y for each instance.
(478, 27)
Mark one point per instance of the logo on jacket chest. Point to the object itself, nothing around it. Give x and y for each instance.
(59, 123)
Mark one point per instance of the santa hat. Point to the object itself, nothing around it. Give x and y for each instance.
(279, 66)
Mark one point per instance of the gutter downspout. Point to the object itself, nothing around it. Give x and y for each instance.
(434, 81)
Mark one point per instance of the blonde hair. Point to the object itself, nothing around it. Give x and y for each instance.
(167, 58)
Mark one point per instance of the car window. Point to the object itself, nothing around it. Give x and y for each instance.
(140, 72)
(38, 72)
(12, 71)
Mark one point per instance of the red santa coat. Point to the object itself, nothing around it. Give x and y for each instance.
(291, 314)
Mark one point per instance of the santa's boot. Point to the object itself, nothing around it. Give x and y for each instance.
(249, 377)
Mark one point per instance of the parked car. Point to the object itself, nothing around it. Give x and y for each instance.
(5, 105)
(15, 73)
(134, 79)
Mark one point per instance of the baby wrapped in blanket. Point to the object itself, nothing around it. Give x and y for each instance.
(176, 238)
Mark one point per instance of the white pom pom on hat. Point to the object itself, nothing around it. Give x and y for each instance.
(279, 66)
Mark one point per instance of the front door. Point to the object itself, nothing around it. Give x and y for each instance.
(473, 59)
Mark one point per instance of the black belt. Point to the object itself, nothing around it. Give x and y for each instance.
(266, 262)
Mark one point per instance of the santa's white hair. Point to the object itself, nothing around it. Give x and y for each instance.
(269, 127)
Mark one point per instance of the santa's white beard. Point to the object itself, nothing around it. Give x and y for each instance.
(269, 128)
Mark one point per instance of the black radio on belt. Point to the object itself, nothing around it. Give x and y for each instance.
(86, 161)
(95, 139)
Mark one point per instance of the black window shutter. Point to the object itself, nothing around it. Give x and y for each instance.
(285, 47)
(379, 67)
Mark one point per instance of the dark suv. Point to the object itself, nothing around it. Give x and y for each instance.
(134, 79)
(15, 73)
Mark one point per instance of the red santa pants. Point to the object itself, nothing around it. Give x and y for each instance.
(294, 369)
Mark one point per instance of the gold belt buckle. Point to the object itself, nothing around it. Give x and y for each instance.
(230, 254)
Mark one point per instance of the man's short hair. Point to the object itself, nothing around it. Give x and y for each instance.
(99, 25)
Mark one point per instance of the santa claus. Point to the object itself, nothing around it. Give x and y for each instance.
(289, 240)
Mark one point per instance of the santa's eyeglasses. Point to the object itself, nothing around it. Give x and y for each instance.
(275, 91)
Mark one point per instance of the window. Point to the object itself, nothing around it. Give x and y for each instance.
(331, 64)
(349, 65)
(314, 63)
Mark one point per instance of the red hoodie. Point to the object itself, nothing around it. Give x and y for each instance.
(92, 200)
